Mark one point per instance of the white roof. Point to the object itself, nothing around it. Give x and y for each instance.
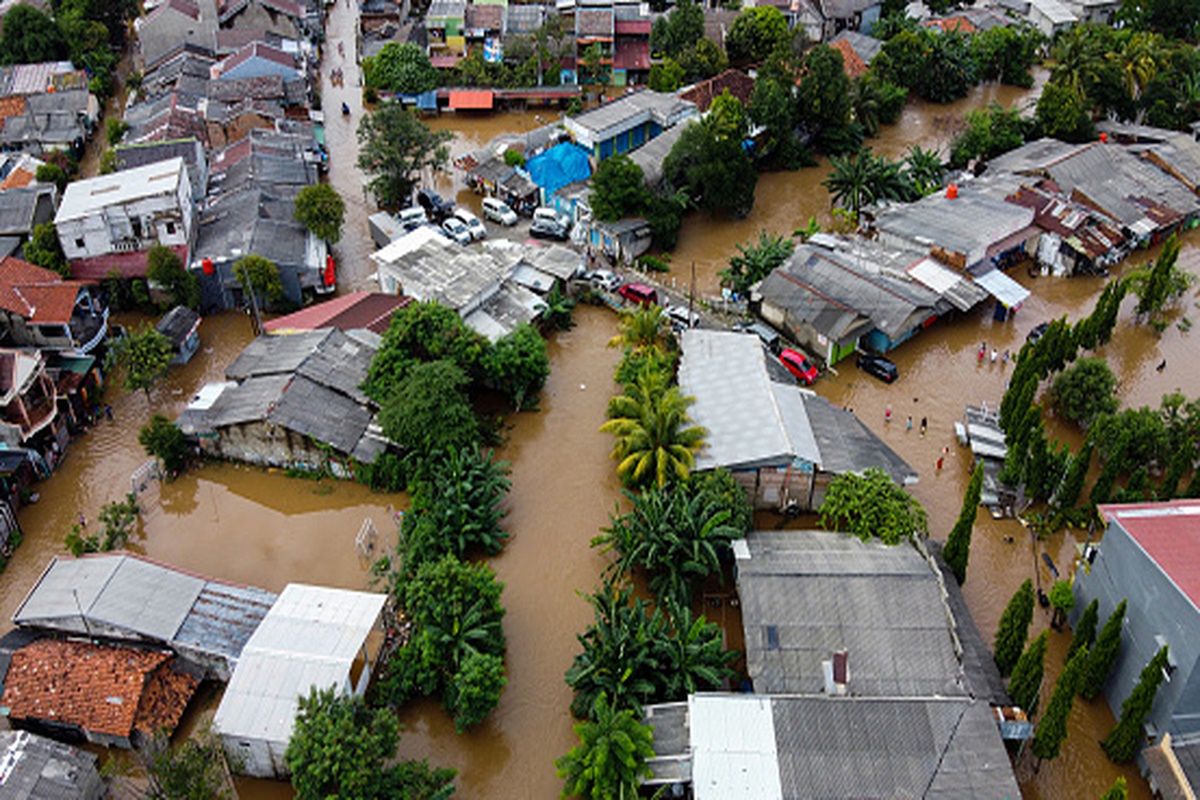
(734, 756)
(933, 275)
(309, 638)
(413, 240)
(1003, 288)
(83, 197)
(208, 395)
(1055, 11)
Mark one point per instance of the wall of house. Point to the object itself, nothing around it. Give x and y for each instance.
(165, 219)
(266, 444)
(16, 330)
(809, 338)
(1156, 608)
(778, 487)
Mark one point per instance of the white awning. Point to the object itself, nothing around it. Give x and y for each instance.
(1010, 293)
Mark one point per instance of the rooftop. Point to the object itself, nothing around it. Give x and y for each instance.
(1169, 534)
(36, 294)
(177, 324)
(430, 267)
(808, 594)
(631, 109)
(91, 194)
(36, 768)
(370, 310)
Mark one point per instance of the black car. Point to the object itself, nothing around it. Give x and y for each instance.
(436, 208)
(878, 366)
(1038, 332)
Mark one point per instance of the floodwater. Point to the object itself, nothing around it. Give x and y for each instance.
(939, 374)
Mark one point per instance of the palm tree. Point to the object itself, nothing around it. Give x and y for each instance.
(610, 760)
(1079, 58)
(655, 442)
(1138, 63)
(923, 168)
(849, 183)
(645, 326)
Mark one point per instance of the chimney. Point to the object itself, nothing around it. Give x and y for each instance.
(841, 670)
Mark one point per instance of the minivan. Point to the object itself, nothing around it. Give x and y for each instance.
(639, 293)
(474, 226)
(412, 218)
(498, 211)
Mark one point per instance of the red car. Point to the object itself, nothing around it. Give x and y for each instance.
(799, 366)
(639, 293)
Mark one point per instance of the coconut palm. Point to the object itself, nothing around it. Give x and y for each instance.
(1138, 62)
(645, 326)
(609, 762)
(655, 442)
(864, 179)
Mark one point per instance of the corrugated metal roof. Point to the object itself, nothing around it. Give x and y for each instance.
(967, 225)
(847, 445)
(733, 748)
(821, 592)
(1003, 288)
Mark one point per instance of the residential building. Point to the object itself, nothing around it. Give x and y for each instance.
(18, 170)
(631, 45)
(109, 222)
(622, 241)
(1099, 12)
(181, 326)
(126, 598)
(846, 636)
(132, 156)
(445, 22)
(1076, 238)
(652, 155)
(37, 768)
(858, 51)
(51, 121)
(842, 15)
(627, 123)
(1172, 768)
(734, 81)
(39, 309)
(370, 311)
(112, 696)
(29, 404)
(174, 115)
(1051, 17)
(292, 401)
(257, 60)
(174, 25)
(1148, 556)
(21, 210)
(312, 638)
(783, 444)
(834, 296)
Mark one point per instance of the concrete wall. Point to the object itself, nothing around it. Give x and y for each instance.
(267, 444)
(164, 219)
(1156, 608)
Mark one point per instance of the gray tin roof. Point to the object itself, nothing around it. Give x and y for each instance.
(968, 224)
(806, 594)
(36, 768)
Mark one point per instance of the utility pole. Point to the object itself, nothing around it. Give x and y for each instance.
(691, 294)
(256, 319)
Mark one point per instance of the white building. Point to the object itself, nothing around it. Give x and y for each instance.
(313, 636)
(124, 214)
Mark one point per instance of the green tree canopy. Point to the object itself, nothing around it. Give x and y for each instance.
(517, 366)
(1014, 628)
(610, 759)
(428, 412)
(1063, 113)
(165, 269)
(665, 76)
(1026, 682)
(1118, 791)
(863, 179)
(144, 355)
(1101, 657)
(642, 328)
(420, 332)
(1051, 730)
(755, 260)
(261, 276)
(1161, 283)
(394, 148)
(1084, 634)
(677, 31)
(342, 748)
(44, 249)
(321, 209)
(1127, 738)
(713, 170)
(824, 97)
(1062, 600)
(990, 132)
(755, 34)
(1084, 391)
(871, 505)
(1006, 53)
(618, 189)
(958, 544)
(30, 37)
(655, 440)
(163, 440)
(402, 68)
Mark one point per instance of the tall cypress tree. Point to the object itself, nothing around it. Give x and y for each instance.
(1126, 738)
(1085, 629)
(1051, 730)
(958, 543)
(1014, 628)
(1118, 791)
(1102, 656)
(1072, 482)
(1026, 682)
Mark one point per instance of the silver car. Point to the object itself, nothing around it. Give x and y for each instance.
(456, 230)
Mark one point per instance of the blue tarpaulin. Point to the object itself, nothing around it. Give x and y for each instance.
(560, 165)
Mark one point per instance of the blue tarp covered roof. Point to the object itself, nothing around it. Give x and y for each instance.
(560, 165)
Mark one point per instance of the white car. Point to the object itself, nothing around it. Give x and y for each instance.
(471, 222)
(682, 318)
(604, 279)
(411, 218)
(456, 230)
(498, 211)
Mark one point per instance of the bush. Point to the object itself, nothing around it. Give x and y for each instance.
(870, 506)
(161, 439)
(1084, 391)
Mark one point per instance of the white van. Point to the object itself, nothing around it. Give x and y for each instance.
(471, 222)
(411, 218)
(498, 211)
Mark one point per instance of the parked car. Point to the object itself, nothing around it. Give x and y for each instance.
(549, 224)
(681, 318)
(412, 218)
(799, 365)
(878, 366)
(1038, 332)
(436, 207)
(766, 334)
(456, 230)
(639, 293)
(474, 226)
(498, 211)
(604, 279)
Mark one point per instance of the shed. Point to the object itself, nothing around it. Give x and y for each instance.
(181, 325)
(313, 637)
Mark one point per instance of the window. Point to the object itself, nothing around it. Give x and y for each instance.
(170, 229)
(79, 243)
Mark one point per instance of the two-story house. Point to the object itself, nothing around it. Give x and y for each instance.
(29, 416)
(109, 222)
(40, 309)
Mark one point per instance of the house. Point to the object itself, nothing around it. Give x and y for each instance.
(475, 281)
(1099, 12)
(29, 405)
(175, 115)
(1148, 202)
(627, 123)
(51, 121)
(631, 45)
(256, 60)
(651, 156)
(173, 25)
(622, 241)
(313, 637)
(445, 24)
(841, 15)
(783, 444)
(865, 684)
(370, 311)
(109, 222)
(132, 156)
(18, 170)
(187, 71)
(21, 210)
(1148, 556)
(181, 326)
(129, 599)
(1172, 768)
(39, 309)
(291, 401)
(1051, 17)
(734, 81)
(858, 51)
(106, 695)
(1076, 238)
(37, 768)
(833, 296)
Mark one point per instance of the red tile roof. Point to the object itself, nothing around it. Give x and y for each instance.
(480, 99)
(130, 265)
(107, 690)
(37, 294)
(370, 310)
(739, 84)
(1169, 533)
(18, 179)
(952, 24)
(852, 63)
(11, 106)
